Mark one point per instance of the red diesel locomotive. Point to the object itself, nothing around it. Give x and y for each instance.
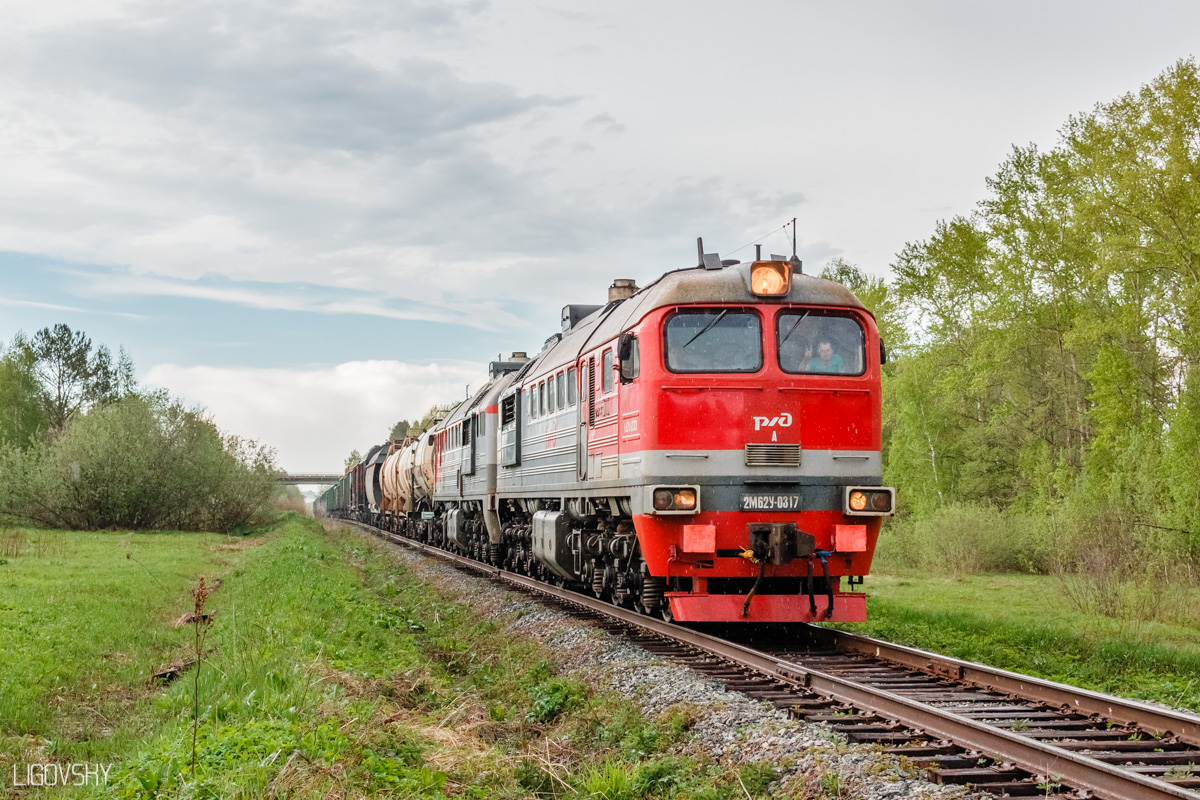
(706, 448)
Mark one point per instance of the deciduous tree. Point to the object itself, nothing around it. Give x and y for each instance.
(22, 411)
(72, 375)
(1057, 335)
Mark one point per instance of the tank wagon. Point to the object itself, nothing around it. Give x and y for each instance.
(706, 448)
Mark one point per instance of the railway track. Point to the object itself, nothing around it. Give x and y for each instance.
(964, 723)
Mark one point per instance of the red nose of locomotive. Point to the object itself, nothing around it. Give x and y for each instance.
(762, 456)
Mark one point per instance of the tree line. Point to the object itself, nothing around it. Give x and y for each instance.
(403, 429)
(1047, 344)
(83, 447)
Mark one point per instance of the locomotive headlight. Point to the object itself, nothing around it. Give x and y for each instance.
(675, 499)
(685, 499)
(770, 278)
(869, 501)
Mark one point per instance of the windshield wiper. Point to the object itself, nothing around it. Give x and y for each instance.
(792, 330)
(705, 329)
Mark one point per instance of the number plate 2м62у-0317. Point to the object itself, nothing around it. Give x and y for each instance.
(766, 501)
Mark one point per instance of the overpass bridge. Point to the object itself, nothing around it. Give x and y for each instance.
(319, 479)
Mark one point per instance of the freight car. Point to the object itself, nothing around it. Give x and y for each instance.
(706, 448)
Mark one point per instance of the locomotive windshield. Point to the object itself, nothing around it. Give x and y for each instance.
(714, 340)
(815, 343)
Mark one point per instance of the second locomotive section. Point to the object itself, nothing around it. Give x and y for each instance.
(704, 449)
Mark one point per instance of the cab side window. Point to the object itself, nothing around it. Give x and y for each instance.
(608, 371)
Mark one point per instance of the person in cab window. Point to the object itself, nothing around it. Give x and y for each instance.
(796, 352)
(825, 360)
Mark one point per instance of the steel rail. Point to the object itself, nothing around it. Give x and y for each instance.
(1055, 764)
(1162, 721)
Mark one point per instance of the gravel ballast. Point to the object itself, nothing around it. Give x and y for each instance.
(728, 727)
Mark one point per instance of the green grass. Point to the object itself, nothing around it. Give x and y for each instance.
(332, 671)
(335, 670)
(1025, 623)
(84, 619)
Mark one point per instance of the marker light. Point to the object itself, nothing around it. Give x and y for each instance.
(770, 278)
(869, 501)
(662, 499)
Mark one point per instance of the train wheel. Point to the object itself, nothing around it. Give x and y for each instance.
(651, 597)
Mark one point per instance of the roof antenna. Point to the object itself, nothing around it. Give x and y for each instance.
(797, 264)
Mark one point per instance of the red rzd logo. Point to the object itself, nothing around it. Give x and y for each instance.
(782, 421)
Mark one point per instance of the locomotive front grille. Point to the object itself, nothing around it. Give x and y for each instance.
(772, 455)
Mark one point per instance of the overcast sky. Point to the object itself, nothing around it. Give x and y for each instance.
(316, 218)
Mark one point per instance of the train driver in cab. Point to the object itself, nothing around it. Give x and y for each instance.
(806, 343)
(825, 359)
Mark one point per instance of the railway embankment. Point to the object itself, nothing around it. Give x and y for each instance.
(329, 664)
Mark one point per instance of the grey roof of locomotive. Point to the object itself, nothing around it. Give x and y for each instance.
(695, 285)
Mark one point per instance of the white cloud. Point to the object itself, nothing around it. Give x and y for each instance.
(464, 158)
(350, 145)
(607, 123)
(315, 417)
(8, 301)
(283, 298)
